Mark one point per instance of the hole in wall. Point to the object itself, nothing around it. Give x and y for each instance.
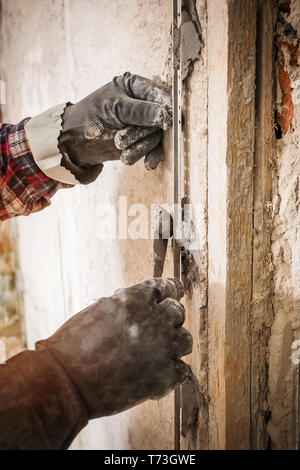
(278, 130)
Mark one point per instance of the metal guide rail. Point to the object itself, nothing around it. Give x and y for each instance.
(177, 162)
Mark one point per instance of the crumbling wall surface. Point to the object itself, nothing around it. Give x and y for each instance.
(283, 396)
(195, 135)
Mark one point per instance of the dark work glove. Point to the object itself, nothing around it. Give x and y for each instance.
(123, 120)
(125, 348)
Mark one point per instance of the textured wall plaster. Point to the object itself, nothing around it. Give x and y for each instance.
(283, 393)
(195, 177)
(62, 50)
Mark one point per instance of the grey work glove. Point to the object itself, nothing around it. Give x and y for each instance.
(123, 120)
(125, 348)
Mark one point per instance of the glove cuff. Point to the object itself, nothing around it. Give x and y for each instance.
(42, 132)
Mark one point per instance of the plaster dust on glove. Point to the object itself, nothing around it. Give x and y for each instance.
(124, 120)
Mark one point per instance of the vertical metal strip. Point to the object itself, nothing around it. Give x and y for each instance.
(176, 94)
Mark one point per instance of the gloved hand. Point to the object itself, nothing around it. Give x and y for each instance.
(121, 120)
(125, 348)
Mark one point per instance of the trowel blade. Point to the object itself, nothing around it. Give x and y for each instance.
(162, 232)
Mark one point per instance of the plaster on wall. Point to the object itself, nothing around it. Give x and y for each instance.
(285, 248)
(63, 50)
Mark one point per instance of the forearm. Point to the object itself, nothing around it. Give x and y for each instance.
(39, 406)
(24, 188)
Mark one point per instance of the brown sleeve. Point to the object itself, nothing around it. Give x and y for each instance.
(39, 407)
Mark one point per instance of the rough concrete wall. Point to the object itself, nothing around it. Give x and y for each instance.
(283, 372)
(62, 50)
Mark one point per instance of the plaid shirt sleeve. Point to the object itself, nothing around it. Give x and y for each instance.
(24, 188)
